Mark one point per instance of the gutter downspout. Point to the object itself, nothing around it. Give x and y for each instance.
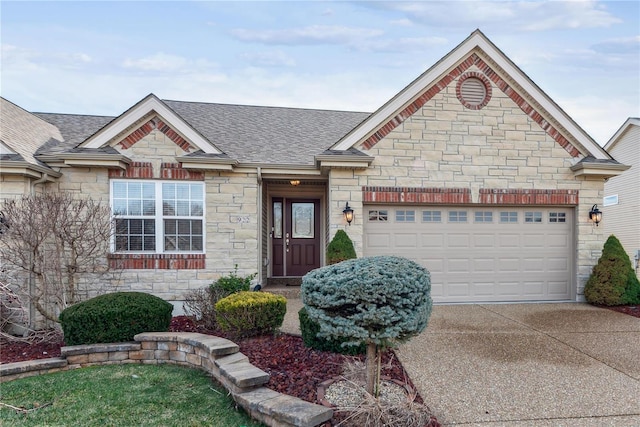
(260, 231)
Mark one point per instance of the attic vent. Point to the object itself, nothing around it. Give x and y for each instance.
(473, 90)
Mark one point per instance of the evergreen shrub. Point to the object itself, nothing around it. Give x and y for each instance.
(382, 300)
(115, 317)
(246, 314)
(310, 338)
(613, 281)
(201, 302)
(340, 248)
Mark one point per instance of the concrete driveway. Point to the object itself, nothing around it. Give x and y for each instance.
(524, 364)
(528, 364)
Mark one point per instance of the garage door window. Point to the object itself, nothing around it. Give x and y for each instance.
(484, 216)
(557, 217)
(533, 217)
(378, 215)
(405, 216)
(457, 216)
(508, 217)
(431, 216)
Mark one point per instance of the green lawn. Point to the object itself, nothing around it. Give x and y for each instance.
(121, 395)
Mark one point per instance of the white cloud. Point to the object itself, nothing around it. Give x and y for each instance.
(314, 34)
(403, 45)
(274, 58)
(623, 45)
(402, 22)
(506, 15)
(157, 62)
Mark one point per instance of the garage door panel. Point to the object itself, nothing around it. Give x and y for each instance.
(482, 260)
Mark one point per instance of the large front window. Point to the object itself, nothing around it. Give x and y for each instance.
(157, 216)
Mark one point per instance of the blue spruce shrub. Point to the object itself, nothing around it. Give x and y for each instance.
(383, 300)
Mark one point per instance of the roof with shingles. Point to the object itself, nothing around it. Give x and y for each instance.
(249, 134)
(24, 132)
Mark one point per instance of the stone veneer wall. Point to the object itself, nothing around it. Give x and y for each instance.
(444, 145)
(218, 357)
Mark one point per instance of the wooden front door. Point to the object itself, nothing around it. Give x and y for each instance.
(295, 236)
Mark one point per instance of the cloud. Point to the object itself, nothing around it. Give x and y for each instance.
(626, 45)
(402, 22)
(505, 15)
(157, 62)
(403, 45)
(310, 35)
(274, 58)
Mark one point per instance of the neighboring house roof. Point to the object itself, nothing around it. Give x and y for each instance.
(24, 133)
(631, 121)
(529, 96)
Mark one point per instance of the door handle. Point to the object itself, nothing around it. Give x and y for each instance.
(286, 241)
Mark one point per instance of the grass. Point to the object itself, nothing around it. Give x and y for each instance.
(120, 395)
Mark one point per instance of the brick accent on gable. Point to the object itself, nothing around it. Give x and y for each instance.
(473, 59)
(176, 171)
(142, 170)
(157, 261)
(148, 127)
(416, 195)
(528, 197)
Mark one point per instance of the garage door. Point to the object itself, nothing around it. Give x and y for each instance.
(480, 254)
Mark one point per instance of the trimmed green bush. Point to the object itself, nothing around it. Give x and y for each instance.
(310, 338)
(201, 303)
(382, 299)
(115, 317)
(246, 314)
(613, 281)
(340, 248)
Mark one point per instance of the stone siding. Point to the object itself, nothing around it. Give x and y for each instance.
(444, 145)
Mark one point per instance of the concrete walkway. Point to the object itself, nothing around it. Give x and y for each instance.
(524, 364)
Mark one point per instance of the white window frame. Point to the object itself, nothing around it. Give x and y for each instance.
(610, 200)
(159, 216)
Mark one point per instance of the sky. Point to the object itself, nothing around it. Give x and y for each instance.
(101, 57)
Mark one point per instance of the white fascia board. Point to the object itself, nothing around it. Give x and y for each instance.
(151, 103)
(631, 121)
(456, 55)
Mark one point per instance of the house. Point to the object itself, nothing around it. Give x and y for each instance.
(471, 170)
(621, 202)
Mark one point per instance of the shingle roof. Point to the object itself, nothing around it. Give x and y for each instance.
(255, 134)
(250, 134)
(24, 132)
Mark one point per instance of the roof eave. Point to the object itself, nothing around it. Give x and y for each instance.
(344, 161)
(27, 169)
(88, 159)
(598, 170)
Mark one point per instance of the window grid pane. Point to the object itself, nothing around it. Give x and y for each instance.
(379, 215)
(508, 217)
(557, 217)
(431, 216)
(533, 217)
(405, 216)
(457, 216)
(484, 216)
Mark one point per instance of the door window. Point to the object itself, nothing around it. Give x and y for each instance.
(302, 220)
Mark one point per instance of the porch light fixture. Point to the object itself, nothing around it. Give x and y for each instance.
(348, 213)
(595, 214)
(294, 182)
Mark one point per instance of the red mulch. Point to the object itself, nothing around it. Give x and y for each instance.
(631, 310)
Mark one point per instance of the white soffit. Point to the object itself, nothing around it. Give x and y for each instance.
(141, 109)
(477, 39)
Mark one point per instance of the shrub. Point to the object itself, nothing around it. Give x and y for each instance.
(340, 248)
(310, 329)
(201, 303)
(613, 281)
(115, 317)
(381, 300)
(246, 314)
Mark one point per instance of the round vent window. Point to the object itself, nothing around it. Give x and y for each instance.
(473, 91)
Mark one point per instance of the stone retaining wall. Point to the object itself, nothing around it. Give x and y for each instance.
(217, 356)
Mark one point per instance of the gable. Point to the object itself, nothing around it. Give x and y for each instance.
(493, 66)
(140, 120)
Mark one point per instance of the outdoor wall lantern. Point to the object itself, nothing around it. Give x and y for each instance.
(348, 213)
(595, 215)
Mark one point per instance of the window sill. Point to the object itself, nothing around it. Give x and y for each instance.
(157, 261)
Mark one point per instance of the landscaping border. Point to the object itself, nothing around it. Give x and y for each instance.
(217, 356)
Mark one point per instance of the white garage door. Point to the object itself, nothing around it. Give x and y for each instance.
(480, 254)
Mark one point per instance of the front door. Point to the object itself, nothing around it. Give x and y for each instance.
(295, 236)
